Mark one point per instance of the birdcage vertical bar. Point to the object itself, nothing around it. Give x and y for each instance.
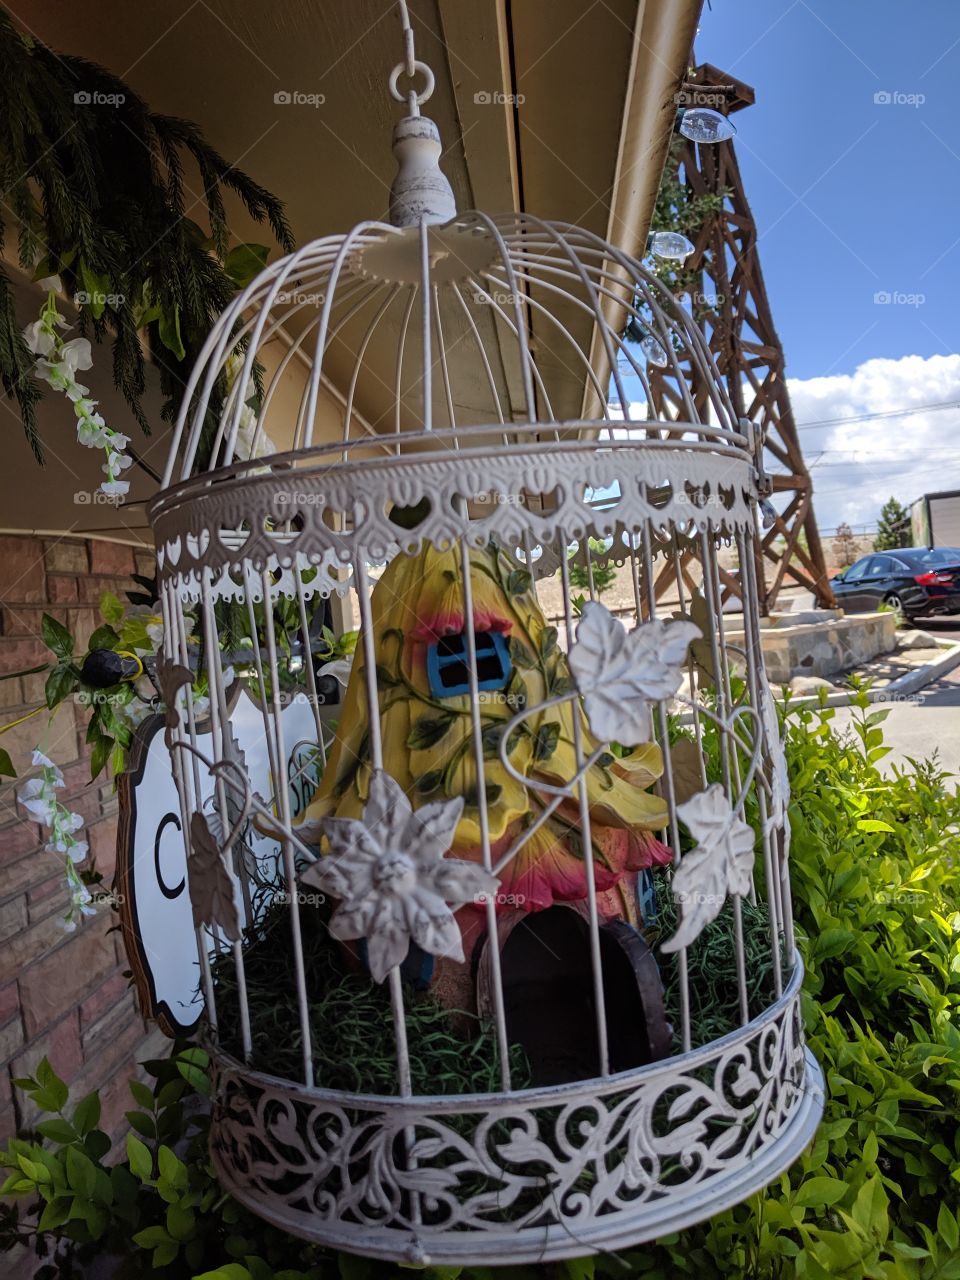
(758, 691)
(683, 980)
(282, 801)
(368, 641)
(490, 906)
(586, 838)
(308, 661)
(174, 652)
(219, 728)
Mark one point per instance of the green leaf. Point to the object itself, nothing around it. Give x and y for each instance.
(548, 641)
(103, 638)
(87, 1113)
(874, 824)
(164, 1254)
(518, 582)
(52, 1084)
(181, 1222)
(97, 288)
(100, 754)
(427, 731)
(545, 742)
(81, 1172)
(150, 1237)
(141, 1162)
(142, 1094)
(6, 765)
(231, 1271)
(57, 1130)
(55, 1213)
(111, 608)
(60, 683)
(169, 330)
(947, 1227)
(820, 1191)
(244, 263)
(56, 637)
(430, 782)
(172, 1168)
(142, 1123)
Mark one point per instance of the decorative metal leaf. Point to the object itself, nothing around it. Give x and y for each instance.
(619, 673)
(212, 888)
(171, 677)
(701, 650)
(721, 863)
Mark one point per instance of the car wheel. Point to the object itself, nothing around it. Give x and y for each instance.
(893, 601)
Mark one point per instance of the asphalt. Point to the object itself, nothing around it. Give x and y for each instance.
(928, 720)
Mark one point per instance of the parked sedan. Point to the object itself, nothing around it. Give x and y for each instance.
(916, 581)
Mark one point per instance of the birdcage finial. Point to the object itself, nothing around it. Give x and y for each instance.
(420, 191)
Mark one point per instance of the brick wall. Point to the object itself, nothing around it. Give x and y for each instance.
(63, 995)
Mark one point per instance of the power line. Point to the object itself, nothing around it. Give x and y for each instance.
(874, 417)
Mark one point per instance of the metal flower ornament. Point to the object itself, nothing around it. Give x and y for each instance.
(394, 881)
(619, 673)
(721, 863)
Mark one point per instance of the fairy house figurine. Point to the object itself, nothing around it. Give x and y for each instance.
(542, 898)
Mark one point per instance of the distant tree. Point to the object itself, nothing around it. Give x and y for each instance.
(894, 527)
(845, 545)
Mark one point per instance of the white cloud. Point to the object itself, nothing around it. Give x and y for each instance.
(857, 467)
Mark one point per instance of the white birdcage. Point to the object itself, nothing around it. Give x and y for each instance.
(561, 841)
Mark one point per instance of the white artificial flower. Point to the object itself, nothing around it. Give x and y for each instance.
(115, 488)
(339, 669)
(155, 632)
(39, 339)
(76, 354)
(38, 758)
(36, 796)
(51, 284)
(78, 852)
(93, 434)
(73, 390)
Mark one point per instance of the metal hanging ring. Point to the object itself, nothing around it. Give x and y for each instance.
(427, 90)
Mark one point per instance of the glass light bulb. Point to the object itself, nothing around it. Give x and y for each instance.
(671, 244)
(653, 350)
(703, 124)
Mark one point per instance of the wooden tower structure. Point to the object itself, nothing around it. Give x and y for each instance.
(730, 301)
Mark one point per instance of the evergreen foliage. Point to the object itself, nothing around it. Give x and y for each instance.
(97, 189)
(894, 528)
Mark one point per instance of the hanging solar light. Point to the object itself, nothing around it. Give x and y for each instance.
(703, 124)
(671, 245)
(653, 350)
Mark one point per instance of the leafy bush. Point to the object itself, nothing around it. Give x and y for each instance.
(877, 1195)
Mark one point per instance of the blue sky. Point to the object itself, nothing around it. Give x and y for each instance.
(852, 197)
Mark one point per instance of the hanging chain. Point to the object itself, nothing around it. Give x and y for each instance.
(409, 67)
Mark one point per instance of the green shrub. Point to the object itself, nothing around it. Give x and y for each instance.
(877, 1195)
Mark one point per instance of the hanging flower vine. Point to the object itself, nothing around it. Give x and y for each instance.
(58, 363)
(38, 796)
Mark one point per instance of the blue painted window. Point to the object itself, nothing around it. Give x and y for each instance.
(448, 671)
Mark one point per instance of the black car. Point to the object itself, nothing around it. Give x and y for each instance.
(916, 581)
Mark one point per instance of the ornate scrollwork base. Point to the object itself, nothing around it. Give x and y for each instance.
(527, 1176)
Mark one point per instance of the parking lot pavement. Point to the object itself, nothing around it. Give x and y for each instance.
(928, 720)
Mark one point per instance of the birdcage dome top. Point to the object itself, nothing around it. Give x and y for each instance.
(474, 367)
